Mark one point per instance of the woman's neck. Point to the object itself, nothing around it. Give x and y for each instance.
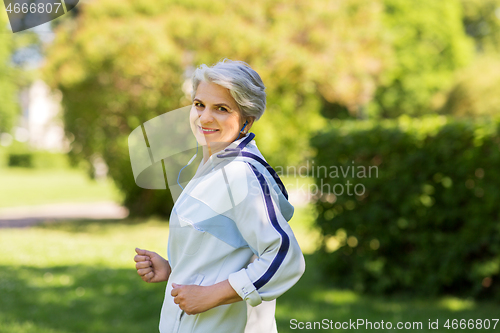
(212, 148)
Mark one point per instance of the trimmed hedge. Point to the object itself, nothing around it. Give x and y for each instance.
(21, 155)
(23, 160)
(427, 222)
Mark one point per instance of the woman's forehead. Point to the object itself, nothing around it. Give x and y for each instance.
(211, 93)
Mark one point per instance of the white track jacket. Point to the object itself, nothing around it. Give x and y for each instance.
(235, 208)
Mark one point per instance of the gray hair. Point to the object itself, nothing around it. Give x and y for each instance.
(244, 84)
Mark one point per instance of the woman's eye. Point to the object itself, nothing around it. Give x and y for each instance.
(221, 108)
(198, 104)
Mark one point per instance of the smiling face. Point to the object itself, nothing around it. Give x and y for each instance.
(215, 117)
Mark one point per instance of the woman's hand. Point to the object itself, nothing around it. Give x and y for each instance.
(195, 299)
(151, 266)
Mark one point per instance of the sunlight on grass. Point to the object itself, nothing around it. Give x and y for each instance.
(392, 307)
(456, 304)
(25, 327)
(23, 187)
(306, 313)
(88, 243)
(335, 296)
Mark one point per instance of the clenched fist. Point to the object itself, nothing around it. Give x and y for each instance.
(151, 266)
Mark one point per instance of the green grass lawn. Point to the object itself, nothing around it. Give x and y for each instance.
(24, 187)
(80, 277)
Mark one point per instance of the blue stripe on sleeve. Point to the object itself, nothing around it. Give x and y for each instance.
(285, 241)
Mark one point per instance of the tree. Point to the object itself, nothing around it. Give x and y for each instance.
(8, 106)
(430, 44)
(475, 90)
(122, 63)
(482, 22)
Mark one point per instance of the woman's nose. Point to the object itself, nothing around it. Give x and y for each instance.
(206, 116)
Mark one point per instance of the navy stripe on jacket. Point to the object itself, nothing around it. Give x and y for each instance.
(285, 241)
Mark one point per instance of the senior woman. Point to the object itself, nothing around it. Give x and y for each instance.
(231, 251)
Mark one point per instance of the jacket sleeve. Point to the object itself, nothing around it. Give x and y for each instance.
(257, 214)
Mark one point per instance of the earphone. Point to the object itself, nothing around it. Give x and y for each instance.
(246, 122)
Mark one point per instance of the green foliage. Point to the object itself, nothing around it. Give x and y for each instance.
(429, 44)
(426, 219)
(112, 82)
(476, 92)
(121, 64)
(3, 157)
(482, 22)
(50, 160)
(19, 154)
(20, 160)
(8, 107)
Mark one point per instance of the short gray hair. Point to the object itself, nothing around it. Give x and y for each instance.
(244, 84)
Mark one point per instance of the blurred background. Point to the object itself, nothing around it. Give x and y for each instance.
(409, 88)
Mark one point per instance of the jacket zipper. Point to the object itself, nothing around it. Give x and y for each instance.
(177, 325)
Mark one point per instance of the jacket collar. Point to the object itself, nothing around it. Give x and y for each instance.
(232, 150)
(235, 148)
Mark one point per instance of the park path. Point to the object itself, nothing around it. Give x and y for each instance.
(25, 216)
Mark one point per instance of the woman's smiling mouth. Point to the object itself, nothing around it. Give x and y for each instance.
(205, 130)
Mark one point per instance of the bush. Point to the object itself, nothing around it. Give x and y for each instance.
(426, 220)
(3, 157)
(24, 160)
(19, 154)
(38, 160)
(50, 160)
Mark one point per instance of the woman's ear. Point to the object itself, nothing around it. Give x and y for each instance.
(250, 121)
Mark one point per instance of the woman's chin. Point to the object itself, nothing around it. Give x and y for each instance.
(217, 145)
